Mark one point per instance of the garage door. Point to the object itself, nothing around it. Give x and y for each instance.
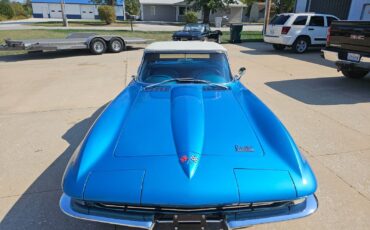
(339, 8)
(55, 11)
(87, 12)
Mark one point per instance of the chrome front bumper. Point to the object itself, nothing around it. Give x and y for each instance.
(139, 221)
(232, 220)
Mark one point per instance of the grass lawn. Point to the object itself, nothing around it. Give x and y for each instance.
(250, 36)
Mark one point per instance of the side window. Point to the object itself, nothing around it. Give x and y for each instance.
(317, 21)
(300, 21)
(330, 20)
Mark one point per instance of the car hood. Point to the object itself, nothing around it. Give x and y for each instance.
(188, 123)
(187, 145)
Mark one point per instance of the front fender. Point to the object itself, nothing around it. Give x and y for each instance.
(99, 141)
(275, 139)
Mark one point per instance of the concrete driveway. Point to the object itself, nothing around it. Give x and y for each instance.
(48, 101)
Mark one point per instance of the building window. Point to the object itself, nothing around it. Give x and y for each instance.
(182, 10)
(152, 10)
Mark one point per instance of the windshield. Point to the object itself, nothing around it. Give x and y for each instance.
(210, 67)
(194, 27)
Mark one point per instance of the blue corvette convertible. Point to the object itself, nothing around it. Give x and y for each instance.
(186, 142)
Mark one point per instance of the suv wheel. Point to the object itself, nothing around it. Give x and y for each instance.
(300, 45)
(278, 46)
(355, 73)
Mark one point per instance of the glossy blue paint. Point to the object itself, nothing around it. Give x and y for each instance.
(123, 185)
(187, 115)
(140, 149)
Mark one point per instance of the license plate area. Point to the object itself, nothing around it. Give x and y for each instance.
(191, 222)
(353, 57)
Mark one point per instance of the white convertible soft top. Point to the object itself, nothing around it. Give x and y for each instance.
(187, 46)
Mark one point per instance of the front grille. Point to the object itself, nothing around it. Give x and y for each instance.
(186, 210)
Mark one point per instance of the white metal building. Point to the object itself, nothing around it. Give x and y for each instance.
(344, 9)
(74, 9)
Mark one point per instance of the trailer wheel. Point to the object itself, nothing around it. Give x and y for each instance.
(98, 46)
(116, 45)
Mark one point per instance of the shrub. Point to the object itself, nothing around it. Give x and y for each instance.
(18, 9)
(107, 14)
(191, 17)
(6, 10)
(3, 18)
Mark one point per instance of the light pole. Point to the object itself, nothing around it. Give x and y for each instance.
(267, 15)
(64, 16)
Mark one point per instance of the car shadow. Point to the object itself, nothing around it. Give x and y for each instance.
(38, 207)
(325, 91)
(260, 48)
(52, 55)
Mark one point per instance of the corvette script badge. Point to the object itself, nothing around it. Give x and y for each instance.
(243, 148)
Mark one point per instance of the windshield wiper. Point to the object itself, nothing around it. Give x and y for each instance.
(186, 80)
(204, 81)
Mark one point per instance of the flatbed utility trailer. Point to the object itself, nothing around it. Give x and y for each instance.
(97, 44)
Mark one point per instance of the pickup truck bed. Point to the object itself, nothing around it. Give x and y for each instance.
(348, 45)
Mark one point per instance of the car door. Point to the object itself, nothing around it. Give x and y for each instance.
(299, 25)
(317, 30)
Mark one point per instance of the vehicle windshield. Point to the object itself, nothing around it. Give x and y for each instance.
(279, 19)
(210, 67)
(194, 27)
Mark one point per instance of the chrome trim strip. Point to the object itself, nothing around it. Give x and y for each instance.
(306, 208)
(65, 206)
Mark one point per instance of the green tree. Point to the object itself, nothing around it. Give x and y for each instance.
(191, 17)
(284, 6)
(132, 7)
(248, 2)
(209, 6)
(6, 10)
(107, 14)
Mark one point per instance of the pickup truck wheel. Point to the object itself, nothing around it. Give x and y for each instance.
(300, 45)
(355, 73)
(116, 45)
(278, 46)
(98, 46)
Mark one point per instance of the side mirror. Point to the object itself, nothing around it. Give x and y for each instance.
(241, 72)
(134, 77)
